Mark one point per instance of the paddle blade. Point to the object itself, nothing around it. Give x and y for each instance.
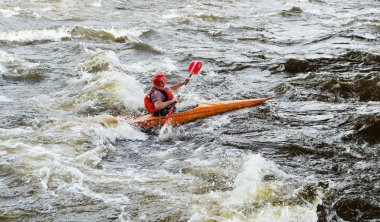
(195, 67)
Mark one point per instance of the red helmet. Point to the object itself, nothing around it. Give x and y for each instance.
(159, 79)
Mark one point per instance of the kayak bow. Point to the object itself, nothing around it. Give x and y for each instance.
(203, 110)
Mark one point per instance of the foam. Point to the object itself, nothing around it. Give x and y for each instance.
(57, 34)
(107, 59)
(152, 65)
(97, 4)
(4, 99)
(92, 157)
(3, 69)
(247, 183)
(102, 81)
(6, 57)
(36, 15)
(105, 197)
(36, 35)
(132, 33)
(93, 129)
(6, 13)
(14, 132)
(121, 131)
(166, 132)
(251, 198)
(286, 214)
(128, 89)
(12, 61)
(171, 14)
(59, 170)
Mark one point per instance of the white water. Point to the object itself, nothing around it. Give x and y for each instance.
(73, 72)
(5, 99)
(251, 197)
(36, 35)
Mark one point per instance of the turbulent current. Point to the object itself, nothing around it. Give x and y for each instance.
(311, 154)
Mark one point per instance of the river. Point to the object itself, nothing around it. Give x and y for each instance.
(311, 154)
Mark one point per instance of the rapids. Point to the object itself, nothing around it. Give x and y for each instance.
(311, 154)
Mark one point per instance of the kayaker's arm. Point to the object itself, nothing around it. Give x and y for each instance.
(159, 105)
(179, 85)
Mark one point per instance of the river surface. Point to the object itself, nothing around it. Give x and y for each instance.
(311, 154)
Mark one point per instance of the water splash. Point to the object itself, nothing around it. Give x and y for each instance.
(260, 192)
(166, 132)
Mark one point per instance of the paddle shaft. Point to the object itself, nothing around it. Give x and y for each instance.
(194, 68)
(170, 111)
(169, 114)
(172, 108)
(189, 77)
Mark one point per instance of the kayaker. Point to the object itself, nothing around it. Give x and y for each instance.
(160, 98)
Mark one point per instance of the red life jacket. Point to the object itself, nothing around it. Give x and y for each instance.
(149, 105)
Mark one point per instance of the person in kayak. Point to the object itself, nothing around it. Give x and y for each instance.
(160, 98)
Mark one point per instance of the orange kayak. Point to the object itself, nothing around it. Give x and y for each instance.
(203, 110)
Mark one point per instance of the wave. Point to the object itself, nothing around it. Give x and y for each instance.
(113, 35)
(139, 46)
(346, 62)
(291, 12)
(366, 209)
(211, 18)
(111, 92)
(331, 87)
(32, 75)
(365, 87)
(188, 18)
(16, 69)
(364, 128)
(260, 193)
(31, 36)
(72, 33)
(164, 64)
(96, 35)
(99, 61)
(332, 79)
(61, 157)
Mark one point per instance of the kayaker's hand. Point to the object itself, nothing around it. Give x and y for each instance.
(186, 80)
(175, 100)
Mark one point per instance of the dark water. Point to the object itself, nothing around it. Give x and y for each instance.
(312, 154)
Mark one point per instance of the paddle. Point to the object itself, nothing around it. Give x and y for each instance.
(194, 68)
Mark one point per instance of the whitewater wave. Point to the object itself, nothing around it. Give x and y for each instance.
(29, 36)
(260, 192)
(77, 32)
(112, 92)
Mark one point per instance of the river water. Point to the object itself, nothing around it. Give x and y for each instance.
(311, 154)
